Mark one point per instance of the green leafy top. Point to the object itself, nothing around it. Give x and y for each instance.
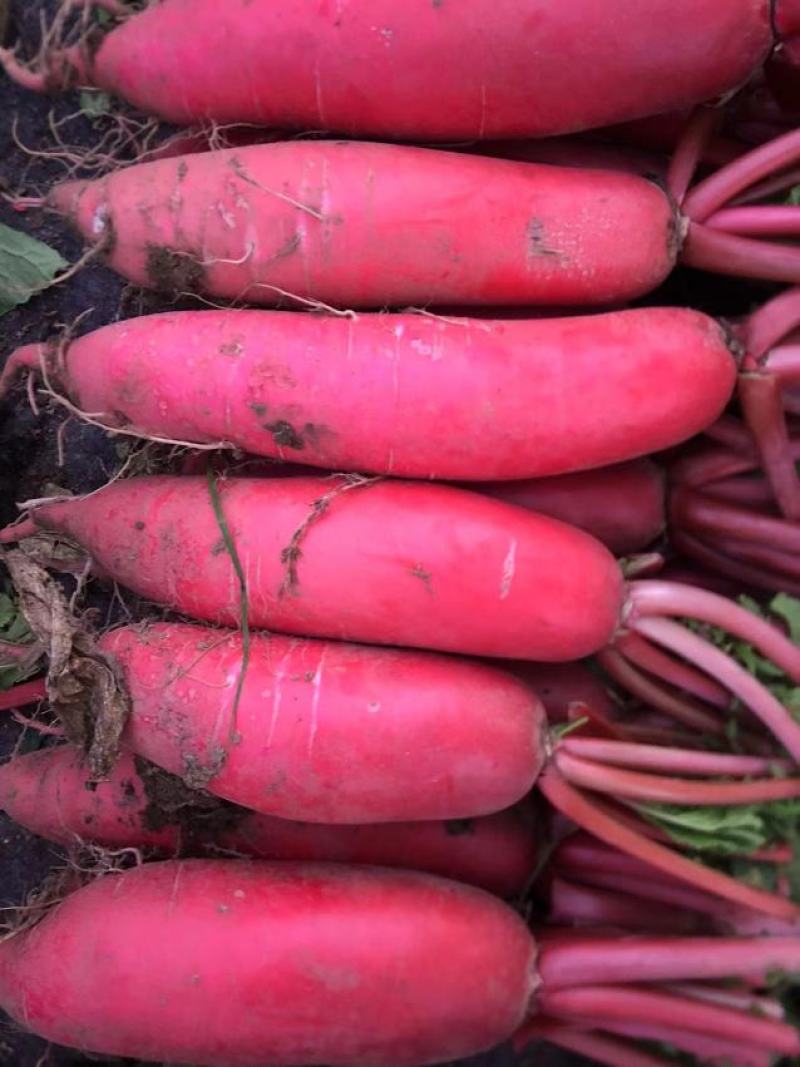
(782, 608)
(725, 836)
(26, 267)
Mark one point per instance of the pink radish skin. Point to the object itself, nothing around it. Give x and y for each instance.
(400, 549)
(400, 563)
(329, 732)
(620, 505)
(423, 70)
(562, 686)
(374, 393)
(359, 225)
(47, 792)
(237, 964)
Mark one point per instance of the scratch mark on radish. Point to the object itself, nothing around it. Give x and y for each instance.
(509, 570)
(316, 683)
(277, 697)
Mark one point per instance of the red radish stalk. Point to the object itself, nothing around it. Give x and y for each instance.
(597, 1046)
(586, 814)
(626, 1003)
(635, 785)
(24, 693)
(713, 1049)
(582, 906)
(671, 670)
(684, 710)
(686, 762)
(584, 961)
(769, 1007)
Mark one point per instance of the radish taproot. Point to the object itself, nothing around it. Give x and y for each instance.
(51, 793)
(506, 69)
(243, 963)
(373, 394)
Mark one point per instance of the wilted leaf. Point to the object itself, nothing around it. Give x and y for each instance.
(26, 267)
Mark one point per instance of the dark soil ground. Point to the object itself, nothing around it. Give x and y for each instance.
(30, 458)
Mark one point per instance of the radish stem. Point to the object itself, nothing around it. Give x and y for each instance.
(670, 670)
(659, 789)
(682, 761)
(653, 597)
(680, 708)
(606, 1050)
(740, 257)
(25, 693)
(713, 192)
(630, 1004)
(582, 811)
(768, 220)
(740, 682)
(660, 959)
(773, 321)
(762, 406)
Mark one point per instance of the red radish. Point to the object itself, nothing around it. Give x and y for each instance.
(359, 225)
(329, 732)
(50, 793)
(236, 963)
(385, 562)
(372, 394)
(364, 225)
(214, 708)
(421, 70)
(620, 505)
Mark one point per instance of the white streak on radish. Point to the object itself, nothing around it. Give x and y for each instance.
(316, 683)
(509, 570)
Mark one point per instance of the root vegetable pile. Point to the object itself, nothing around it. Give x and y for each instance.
(457, 696)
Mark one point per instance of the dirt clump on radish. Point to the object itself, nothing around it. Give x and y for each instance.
(173, 272)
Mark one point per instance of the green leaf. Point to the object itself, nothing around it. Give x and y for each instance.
(26, 267)
(723, 831)
(788, 609)
(794, 196)
(94, 103)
